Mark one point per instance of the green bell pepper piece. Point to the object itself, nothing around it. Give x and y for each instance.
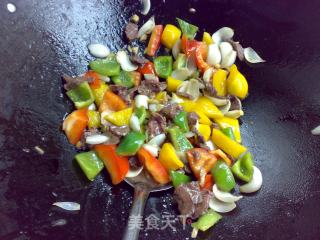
(90, 164)
(180, 62)
(130, 144)
(94, 119)
(124, 79)
(207, 220)
(243, 167)
(228, 132)
(141, 113)
(187, 28)
(180, 142)
(163, 66)
(223, 176)
(81, 95)
(181, 120)
(178, 178)
(107, 67)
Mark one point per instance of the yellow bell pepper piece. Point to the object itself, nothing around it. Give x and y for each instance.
(173, 84)
(226, 122)
(205, 105)
(219, 82)
(162, 96)
(237, 84)
(99, 92)
(229, 146)
(190, 106)
(205, 131)
(170, 35)
(168, 157)
(207, 38)
(120, 118)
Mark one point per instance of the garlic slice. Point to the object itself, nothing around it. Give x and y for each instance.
(221, 207)
(141, 101)
(98, 50)
(147, 27)
(96, 139)
(146, 7)
(134, 172)
(214, 54)
(255, 183)
(70, 206)
(252, 56)
(316, 130)
(124, 61)
(234, 114)
(207, 75)
(158, 140)
(224, 196)
(223, 34)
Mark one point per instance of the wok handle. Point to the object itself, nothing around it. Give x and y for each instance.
(136, 214)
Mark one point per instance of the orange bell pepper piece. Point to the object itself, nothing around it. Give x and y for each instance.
(208, 182)
(201, 162)
(96, 80)
(200, 56)
(153, 166)
(137, 78)
(112, 102)
(147, 68)
(155, 40)
(75, 124)
(117, 166)
(221, 155)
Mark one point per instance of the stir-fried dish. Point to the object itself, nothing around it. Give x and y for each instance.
(170, 109)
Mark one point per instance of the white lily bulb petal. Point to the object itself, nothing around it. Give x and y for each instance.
(141, 101)
(134, 172)
(124, 61)
(224, 196)
(214, 54)
(98, 50)
(158, 140)
(181, 74)
(96, 139)
(225, 49)
(221, 207)
(134, 123)
(229, 59)
(316, 130)
(147, 27)
(146, 7)
(252, 56)
(255, 183)
(176, 49)
(70, 206)
(207, 75)
(152, 149)
(223, 34)
(92, 107)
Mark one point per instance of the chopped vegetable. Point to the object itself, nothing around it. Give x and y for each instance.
(98, 50)
(107, 67)
(219, 82)
(181, 121)
(99, 92)
(147, 68)
(96, 80)
(179, 178)
(207, 38)
(254, 184)
(116, 165)
(206, 106)
(124, 79)
(154, 42)
(141, 114)
(226, 122)
(243, 167)
(180, 142)
(163, 66)
(205, 131)
(188, 29)
(168, 157)
(237, 84)
(75, 124)
(81, 96)
(208, 182)
(180, 62)
(170, 35)
(94, 119)
(111, 102)
(154, 167)
(223, 176)
(221, 155)
(120, 118)
(70, 206)
(228, 132)
(173, 84)
(130, 144)
(90, 164)
(207, 220)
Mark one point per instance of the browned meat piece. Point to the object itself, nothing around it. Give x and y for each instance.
(139, 59)
(126, 94)
(171, 110)
(119, 131)
(192, 118)
(238, 48)
(156, 125)
(192, 202)
(131, 31)
(235, 103)
(72, 82)
(150, 88)
(134, 162)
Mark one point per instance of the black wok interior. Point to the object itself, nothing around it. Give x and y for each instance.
(44, 39)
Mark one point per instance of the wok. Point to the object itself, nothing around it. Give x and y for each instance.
(44, 39)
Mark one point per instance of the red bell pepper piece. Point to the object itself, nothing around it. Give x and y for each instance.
(208, 182)
(147, 68)
(112, 102)
(96, 80)
(117, 166)
(200, 54)
(153, 166)
(155, 39)
(75, 124)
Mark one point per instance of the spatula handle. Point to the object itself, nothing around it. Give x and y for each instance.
(135, 220)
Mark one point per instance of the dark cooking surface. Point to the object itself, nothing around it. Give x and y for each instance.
(44, 39)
